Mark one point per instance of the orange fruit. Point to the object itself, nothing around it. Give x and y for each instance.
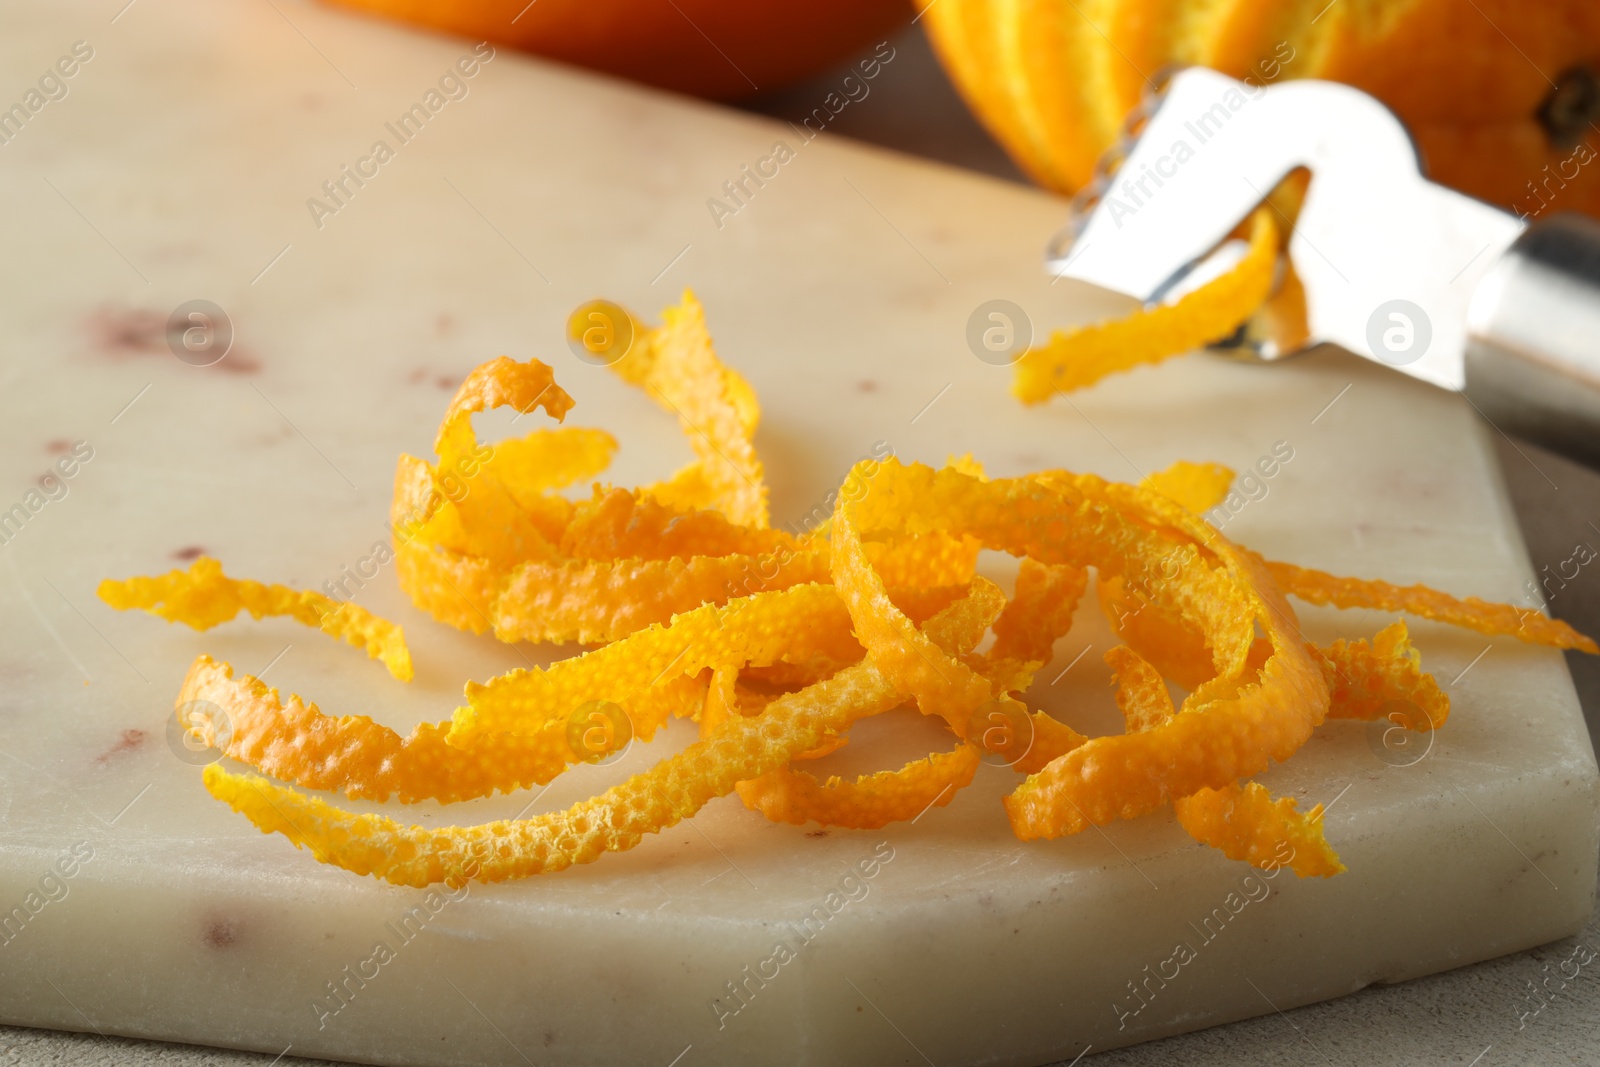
(714, 48)
(1502, 96)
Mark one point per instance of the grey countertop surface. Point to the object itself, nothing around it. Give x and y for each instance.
(1476, 1016)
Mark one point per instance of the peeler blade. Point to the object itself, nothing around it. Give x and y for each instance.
(1384, 254)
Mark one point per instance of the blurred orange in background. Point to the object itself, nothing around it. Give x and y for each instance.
(1503, 96)
(719, 49)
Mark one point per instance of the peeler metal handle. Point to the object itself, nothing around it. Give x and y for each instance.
(1426, 280)
(1533, 338)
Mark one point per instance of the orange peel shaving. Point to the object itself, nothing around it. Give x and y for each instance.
(1073, 359)
(865, 803)
(1195, 487)
(203, 597)
(1243, 822)
(775, 644)
(1317, 587)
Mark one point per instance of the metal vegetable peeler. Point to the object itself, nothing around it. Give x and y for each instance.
(1429, 281)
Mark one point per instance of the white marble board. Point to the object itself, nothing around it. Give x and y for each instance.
(178, 165)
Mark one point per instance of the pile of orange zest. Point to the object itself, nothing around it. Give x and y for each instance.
(776, 644)
(1233, 726)
(481, 547)
(203, 597)
(1073, 359)
(1039, 612)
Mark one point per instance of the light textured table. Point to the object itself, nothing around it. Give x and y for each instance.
(1482, 1014)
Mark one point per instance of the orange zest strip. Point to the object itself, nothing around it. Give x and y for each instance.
(1142, 695)
(716, 408)
(1195, 487)
(1073, 359)
(865, 803)
(484, 509)
(1382, 679)
(1039, 613)
(203, 597)
(1246, 823)
(801, 622)
(599, 570)
(1241, 821)
(294, 741)
(1525, 624)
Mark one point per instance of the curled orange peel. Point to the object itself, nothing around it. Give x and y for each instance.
(1382, 679)
(1038, 613)
(1233, 725)
(717, 410)
(776, 643)
(203, 597)
(801, 622)
(1242, 821)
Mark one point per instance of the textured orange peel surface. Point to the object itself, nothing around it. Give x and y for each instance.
(1075, 358)
(775, 644)
(203, 597)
